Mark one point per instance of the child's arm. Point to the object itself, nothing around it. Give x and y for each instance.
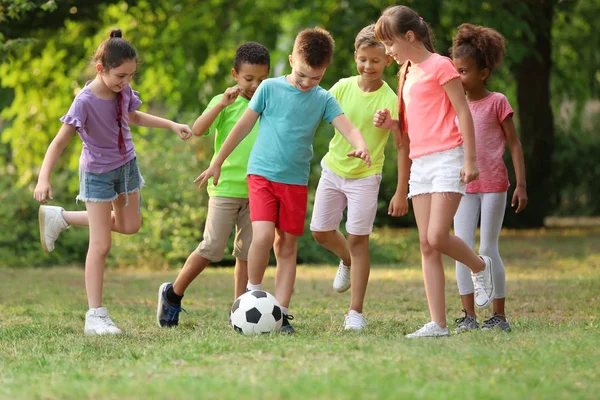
(456, 94)
(151, 121)
(241, 129)
(354, 137)
(206, 120)
(399, 202)
(43, 188)
(516, 152)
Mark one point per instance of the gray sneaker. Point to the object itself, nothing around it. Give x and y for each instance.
(496, 323)
(286, 327)
(167, 314)
(466, 323)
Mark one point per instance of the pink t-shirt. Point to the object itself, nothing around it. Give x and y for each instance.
(490, 142)
(429, 112)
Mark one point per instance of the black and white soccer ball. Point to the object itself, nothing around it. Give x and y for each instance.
(256, 312)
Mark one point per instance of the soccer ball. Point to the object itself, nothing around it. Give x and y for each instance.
(256, 312)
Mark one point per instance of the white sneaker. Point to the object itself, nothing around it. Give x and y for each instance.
(52, 223)
(341, 282)
(483, 282)
(355, 321)
(97, 322)
(430, 329)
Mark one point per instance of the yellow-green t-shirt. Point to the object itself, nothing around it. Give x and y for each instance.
(360, 107)
(232, 182)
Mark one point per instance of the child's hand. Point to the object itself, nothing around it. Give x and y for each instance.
(361, 153)
(182, 130)
(469, 172)
(398, 205)
(214, 171)
(383, 119)
(230, 95)
(520, 197)
(42, 191)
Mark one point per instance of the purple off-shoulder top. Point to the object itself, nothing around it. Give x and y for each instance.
(95, 120)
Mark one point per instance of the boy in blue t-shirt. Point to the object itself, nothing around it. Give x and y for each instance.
(290, 110)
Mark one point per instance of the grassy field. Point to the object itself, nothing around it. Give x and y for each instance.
(552, 352)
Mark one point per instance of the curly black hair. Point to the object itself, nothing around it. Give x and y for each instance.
(484, 45)
(251, 53)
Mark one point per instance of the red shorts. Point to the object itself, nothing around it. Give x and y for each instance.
(281, 203)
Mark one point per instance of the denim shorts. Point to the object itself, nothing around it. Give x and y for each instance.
(437, 173)
(107, 186)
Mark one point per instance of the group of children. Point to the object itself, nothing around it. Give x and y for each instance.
(264, 130)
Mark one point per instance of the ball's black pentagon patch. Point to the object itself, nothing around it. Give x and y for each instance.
(253, 315)
(276, 313)
(235, 306)
(238, 329)
(258, 294)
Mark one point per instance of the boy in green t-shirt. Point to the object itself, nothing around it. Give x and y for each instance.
(347, 182)
(229, 200)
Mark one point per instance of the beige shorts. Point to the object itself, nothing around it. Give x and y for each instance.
(222, 211)
(335, 193)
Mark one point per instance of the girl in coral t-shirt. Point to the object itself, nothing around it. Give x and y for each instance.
(443, 158)
(477, 51)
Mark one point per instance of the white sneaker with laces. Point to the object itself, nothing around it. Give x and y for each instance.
(52, 223)
(97, 322)
(430, 329)
(355, 321)
(341, 282)
(483, 282)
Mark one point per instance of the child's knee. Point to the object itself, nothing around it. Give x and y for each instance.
(131, 228)
(437, 239)
(321, 237)
(426, 248)
(99, 249)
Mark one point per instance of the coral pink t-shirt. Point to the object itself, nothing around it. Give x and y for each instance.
(429, 113)
(490, 142)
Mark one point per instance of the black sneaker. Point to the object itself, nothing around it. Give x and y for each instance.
(496, 323)
(286, 328)
(466, 323)
(167, 314)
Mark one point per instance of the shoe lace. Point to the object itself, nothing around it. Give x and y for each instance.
(354, 319)
(173, 312)
(287, 318)
(106, 322)
(461, 320)
(495, 320)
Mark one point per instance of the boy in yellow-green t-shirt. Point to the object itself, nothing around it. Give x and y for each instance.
(347, 182)
(229, 200)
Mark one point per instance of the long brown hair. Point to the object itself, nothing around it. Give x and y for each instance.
(397, 20)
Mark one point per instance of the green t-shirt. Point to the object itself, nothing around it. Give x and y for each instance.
(232, 182)
(360, 107)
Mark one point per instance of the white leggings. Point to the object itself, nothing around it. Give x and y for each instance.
(491, 207)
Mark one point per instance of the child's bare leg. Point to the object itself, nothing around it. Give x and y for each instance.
(125, 220)
(433, 269)
(193, 266)
(263, 234)
(99, 246)
(443, 207)
(361, 262)
(468, 304)
(240, 276)
(498, 305)
(335, 242)
(286, 250)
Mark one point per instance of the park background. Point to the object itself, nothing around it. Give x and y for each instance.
(551, 76)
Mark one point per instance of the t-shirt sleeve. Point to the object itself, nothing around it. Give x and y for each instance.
(217, 122)
(134, 101)
(503, 108)
(259, 99)
(446, 71)
(77, 115)
(332, 108)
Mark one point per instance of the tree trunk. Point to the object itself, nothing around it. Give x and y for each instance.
(535, 114)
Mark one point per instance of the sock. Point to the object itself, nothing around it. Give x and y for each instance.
(173, 297)
(284, 310)
(254, 287)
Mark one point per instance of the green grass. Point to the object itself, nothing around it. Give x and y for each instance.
(553, 351)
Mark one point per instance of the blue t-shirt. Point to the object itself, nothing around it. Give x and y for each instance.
(289, 118)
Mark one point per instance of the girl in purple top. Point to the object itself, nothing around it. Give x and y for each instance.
(109, 178)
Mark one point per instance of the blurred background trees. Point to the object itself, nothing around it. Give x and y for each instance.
(551, 76)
